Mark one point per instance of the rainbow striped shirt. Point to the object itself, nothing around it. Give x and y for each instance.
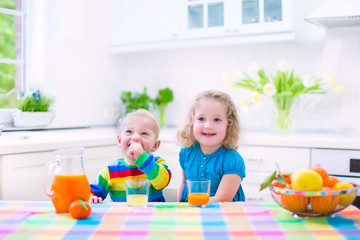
(112, 178)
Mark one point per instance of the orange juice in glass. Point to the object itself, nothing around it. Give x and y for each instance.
(198, 192)
(65, 179)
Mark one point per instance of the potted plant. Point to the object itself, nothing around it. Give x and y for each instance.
(164, 97)
(134, 100)
(33, 110)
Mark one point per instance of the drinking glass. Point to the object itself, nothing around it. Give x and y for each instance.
(198, 192)
(137, 192)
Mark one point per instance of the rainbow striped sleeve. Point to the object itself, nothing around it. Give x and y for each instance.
(111, 180)
(155, 169)
(101, 186)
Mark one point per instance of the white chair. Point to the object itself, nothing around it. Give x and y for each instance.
(170, 194)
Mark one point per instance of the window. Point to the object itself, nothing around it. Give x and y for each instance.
(12, 42)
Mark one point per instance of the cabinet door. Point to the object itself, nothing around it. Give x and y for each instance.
(23, 174)
(143, 21)
(204, 18)
(251, 186)
(169, 151)
(264, 159)
(265, 16)
(261, 161)
(96, 158)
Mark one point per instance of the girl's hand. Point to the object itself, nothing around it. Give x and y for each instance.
(135, 149)
(95, 199)
(227, 188)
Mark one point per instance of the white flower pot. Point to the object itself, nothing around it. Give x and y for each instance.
(32, 119)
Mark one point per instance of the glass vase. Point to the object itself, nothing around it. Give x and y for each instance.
(162, 115)
(283, 113)
(282, 120)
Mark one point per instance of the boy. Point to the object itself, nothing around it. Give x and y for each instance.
(138, 137)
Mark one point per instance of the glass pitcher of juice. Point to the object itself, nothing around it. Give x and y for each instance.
(65, 179)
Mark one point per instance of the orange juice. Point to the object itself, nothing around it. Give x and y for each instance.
(198, 198)
(68, 188)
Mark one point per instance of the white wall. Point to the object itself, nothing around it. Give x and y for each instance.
(75, 63)
(68, 55)
(191, 71)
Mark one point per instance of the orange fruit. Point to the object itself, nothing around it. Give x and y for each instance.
(287, 178)
(80, 209)
(324, 204)
(323, 173)
(275, 183)
(330, 181)
(306, 180)
(294, 203)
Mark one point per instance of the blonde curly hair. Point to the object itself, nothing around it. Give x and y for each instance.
(185, 134)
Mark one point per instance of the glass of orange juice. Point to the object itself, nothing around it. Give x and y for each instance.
(137, 192)
(198, 192)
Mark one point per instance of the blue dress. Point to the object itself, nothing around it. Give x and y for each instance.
(212, 166)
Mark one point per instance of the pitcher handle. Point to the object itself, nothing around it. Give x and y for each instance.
(49, 177)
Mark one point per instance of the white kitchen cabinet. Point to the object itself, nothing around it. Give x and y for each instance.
(232, 18)
(169, 151)
(23, 174)
(251, 186)
(261, 161)
(141, 25)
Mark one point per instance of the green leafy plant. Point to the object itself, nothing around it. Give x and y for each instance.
(164, 97)
(283, 88)
(35, 101)
(134, 100)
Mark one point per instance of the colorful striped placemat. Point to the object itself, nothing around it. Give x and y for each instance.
(240, 220)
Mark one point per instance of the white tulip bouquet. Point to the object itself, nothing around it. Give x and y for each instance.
(283, 88)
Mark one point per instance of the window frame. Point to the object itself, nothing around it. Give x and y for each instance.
(20, 85)
(21, 62)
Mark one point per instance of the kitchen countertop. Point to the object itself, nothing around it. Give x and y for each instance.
(233, 220)
(31, 141)
(303, 140)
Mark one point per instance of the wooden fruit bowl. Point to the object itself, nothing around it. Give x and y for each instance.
(313, 203)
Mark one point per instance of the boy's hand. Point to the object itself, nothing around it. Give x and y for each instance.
(95, 199)
(136, 149)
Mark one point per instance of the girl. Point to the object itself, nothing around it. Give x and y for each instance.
(210, 138)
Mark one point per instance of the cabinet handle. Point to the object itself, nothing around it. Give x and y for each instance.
(254, 159)
(254, 198)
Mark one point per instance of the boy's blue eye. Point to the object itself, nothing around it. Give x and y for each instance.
(144, 133)
(201, 119)
(128, 131)
(217, 120)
